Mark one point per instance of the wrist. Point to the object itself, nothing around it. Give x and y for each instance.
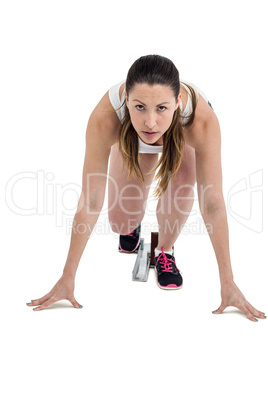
(227, 280)
(226, 273)
(69, 273)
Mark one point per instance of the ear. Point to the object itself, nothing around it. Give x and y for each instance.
(126, 97)
(178, 101)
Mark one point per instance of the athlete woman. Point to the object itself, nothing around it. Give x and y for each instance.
(153, 113)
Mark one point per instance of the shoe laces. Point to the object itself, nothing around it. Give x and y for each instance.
(166, 263)
(131, 233)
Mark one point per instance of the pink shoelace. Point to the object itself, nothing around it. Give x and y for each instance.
(166, 263)
(131, 233)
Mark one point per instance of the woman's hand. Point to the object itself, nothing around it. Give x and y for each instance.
(64, 289)
(232, 296)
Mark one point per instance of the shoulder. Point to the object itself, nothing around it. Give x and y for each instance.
(103, 123)
(204, 125)
(122, 89)
(116, 96)
(115, 93)
(184, 96)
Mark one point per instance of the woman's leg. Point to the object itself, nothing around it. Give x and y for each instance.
(127, 199)
(175, 205)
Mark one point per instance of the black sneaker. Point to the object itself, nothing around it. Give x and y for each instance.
(169, 276)
(129, 243)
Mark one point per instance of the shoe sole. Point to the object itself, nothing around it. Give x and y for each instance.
(169, 287)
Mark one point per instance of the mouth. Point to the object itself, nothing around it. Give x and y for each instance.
(150, 133)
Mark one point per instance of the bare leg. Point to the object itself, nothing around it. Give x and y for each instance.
(127, 198)
(175, 205)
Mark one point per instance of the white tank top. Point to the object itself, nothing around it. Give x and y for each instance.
(117, 102)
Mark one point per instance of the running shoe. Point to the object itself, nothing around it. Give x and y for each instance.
(169, 276)
(129, 243)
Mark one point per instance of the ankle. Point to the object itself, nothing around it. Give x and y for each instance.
(166, 251)
(165, 246)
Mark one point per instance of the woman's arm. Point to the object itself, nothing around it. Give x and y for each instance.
(210, 196)
(102, 131)
(101, 134)
(206, 138)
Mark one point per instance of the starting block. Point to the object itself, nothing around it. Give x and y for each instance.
(145, 258)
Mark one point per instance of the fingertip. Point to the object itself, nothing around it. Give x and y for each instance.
(76, 304)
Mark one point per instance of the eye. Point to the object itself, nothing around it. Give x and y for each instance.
(139, 107)
(162, 108)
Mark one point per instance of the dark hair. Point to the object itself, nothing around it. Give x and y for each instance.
(153, 70)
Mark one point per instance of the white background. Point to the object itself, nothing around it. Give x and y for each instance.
(131, 341)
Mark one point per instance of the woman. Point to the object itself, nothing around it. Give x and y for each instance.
(152, 113)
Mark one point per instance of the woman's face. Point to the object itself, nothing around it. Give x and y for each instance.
(151, 109)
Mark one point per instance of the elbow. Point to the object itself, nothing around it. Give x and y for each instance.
(212, 205)
(92, 204)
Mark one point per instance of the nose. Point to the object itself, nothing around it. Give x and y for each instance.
(150, 120)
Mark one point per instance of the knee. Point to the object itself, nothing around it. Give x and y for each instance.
(186, 175)
(189, 177)
(124, 226)
(183, 186)
(184, 190)
(185, 180)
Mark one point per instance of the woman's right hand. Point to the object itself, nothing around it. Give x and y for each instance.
(64, 289)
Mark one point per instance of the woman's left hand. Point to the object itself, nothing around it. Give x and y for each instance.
(232, 296)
